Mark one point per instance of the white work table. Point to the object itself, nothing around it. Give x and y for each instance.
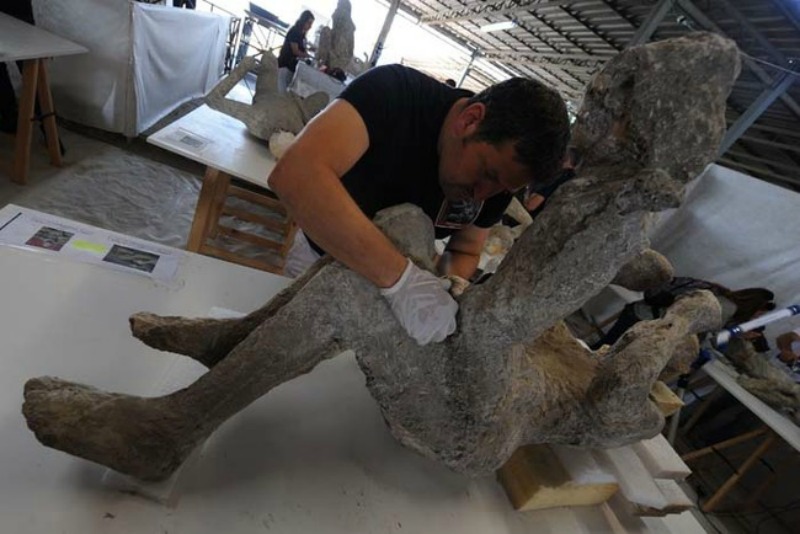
(725, 376)
(775, 425)
(314, 455)
(224, 145)
(20, 41)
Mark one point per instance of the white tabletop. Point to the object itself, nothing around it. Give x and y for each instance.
(314, 455)
(19, 40)
(219, 141)
(725, 376)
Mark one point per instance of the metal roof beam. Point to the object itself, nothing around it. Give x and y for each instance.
(475, 10)
(754, 33)
(690, 9)
(773, 144)
(751, 114)
(584, 59)
(544, 63)
(648, 27)
(763, 172)
(794, 19)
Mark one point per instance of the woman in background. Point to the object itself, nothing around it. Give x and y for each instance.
(293, 49)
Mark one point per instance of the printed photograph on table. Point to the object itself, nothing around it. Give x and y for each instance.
(133, 258)
(49, 238)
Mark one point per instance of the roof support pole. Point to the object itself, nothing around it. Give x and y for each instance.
(387, 25)
(465, 72)
(646, 30)
(751, 114)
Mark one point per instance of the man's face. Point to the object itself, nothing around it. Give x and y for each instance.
(476, 170)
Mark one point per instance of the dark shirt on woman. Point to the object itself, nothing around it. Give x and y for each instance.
(287, 58)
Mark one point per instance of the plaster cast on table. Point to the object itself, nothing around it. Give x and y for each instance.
(272, 112)
(336, 44)
(769, 382)
(511, 374)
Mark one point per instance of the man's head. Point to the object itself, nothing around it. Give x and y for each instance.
(506, 137)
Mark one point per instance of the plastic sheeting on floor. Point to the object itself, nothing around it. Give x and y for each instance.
(143, 60)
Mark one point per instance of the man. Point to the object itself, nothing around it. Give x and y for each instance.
(396, 135)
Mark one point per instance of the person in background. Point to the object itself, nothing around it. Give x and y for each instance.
(450, 81)
(294, 49)
(188, 4)
(22, 10)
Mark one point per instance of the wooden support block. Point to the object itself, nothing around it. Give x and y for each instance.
(542, 476)
(635, 481)
(677, 500)
(661, 459)
(684, 523)
(666, 400)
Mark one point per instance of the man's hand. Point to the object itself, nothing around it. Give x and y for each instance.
(423, 306)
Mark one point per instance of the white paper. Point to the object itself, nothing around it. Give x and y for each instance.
(67, 239)
(188, 140)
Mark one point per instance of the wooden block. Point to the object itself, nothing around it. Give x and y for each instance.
(635, 481)
(541, 476)
(661, 459)
(677, 500)
(619, 514)
(684, 523)
(666, 400)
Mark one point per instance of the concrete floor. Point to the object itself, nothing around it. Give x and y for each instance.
(119, 184)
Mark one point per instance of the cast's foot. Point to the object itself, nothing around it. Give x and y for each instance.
(141, 437)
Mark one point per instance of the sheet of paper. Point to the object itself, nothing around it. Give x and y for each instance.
(53, 235)
(188, 140)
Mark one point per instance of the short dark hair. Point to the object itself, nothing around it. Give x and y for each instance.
(531, 115)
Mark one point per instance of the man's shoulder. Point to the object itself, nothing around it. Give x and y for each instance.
(395, 74)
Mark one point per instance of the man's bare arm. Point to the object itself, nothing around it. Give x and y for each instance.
(465, 247)
(307, 179)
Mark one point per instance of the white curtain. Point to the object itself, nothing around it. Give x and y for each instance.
(143, 61)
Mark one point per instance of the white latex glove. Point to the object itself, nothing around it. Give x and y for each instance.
(423, 306)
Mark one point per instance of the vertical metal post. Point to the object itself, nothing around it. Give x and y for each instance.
(387, 25)
(466, 70)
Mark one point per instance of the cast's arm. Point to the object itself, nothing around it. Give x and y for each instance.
(307, 179)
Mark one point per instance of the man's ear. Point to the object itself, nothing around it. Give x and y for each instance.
(470, 119)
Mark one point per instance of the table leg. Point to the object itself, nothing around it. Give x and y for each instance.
(714, 500)
(220, 194)
(48, 115)
(202, 213)
(741, 438)
(22, 146)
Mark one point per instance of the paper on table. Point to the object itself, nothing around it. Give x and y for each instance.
(188, 140)
(49, 234)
